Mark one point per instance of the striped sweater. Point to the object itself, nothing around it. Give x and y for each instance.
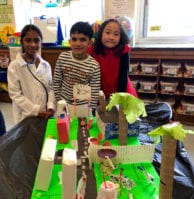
(69, 71)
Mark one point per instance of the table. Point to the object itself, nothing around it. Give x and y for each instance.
(94, 176)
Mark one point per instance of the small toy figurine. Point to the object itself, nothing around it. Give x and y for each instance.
(106, 164)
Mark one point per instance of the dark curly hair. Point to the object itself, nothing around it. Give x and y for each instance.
(99, 47)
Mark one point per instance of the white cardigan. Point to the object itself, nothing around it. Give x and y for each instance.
(27, 94)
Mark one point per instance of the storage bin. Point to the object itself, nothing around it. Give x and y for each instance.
(168, 87)
(189, 89)
(149, 68)
(147, 86)
(135, 83)
(187, 107)
(171, 68)
(134, 68)
(189, 70)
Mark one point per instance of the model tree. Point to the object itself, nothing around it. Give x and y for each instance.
(130, 109)
(170, 133)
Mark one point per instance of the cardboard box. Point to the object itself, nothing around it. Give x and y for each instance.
(108, 124)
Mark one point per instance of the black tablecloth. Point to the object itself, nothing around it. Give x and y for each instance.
(20, 150)
(2, 124)
(21, 146)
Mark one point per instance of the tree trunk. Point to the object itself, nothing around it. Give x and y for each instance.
(167, 167)
(123, 127)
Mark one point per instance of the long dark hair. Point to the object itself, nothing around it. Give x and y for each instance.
(28, 28)
(99, 47)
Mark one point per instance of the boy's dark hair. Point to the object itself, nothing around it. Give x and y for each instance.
(99, 47)
(82, 27)
(28, 28)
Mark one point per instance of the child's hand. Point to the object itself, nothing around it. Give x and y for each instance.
(46, 114)
(49, 113)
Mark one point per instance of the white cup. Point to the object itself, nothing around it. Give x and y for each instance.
(107, 190)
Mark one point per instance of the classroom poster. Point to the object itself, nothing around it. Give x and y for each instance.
(6, 13)
(116, 8)
(124, 10)
(119, 8)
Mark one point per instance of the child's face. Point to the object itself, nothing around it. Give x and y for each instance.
(31, 43)
(111, 35)
(79, 44)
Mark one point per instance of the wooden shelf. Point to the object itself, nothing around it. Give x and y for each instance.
(186, 119)
(137, 54)
(159, 56)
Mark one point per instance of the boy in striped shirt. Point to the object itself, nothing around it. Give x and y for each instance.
(77, 74)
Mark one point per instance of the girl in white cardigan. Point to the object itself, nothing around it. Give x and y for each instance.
(30, 79)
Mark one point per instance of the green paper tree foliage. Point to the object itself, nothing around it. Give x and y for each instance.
(174, 130)
(132, 107)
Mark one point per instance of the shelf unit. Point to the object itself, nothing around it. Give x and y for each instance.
(147, 55)
(162, 75)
